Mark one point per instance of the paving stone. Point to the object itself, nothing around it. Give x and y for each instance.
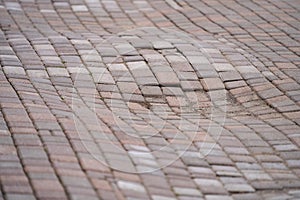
(104, 78)
(265, 185)
(172, 91)
(20, 197)
(212, 84)
(48, 185)
(215, 197)
(162, 45)
(187, 191)
(158, 197)
(230, 76)
(160, 191)
(167, 79)
(55, 71)
(210, 186)
(14, 70)
(37, 73)
(246, 196)
(151, 91)
(265, 94)
(135, 187)
(144, 81)
(79, 8)
(239, 188)
(32, 152)
(224, 67)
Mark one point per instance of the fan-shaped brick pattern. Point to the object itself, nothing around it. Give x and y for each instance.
(157, 100)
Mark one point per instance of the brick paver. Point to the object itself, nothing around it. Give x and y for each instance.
(160, 99)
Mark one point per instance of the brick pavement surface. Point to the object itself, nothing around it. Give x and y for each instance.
(149, 99)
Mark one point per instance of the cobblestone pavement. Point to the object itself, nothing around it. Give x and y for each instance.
(150, 99)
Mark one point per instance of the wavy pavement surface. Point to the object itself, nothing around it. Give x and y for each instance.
(158, 100)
